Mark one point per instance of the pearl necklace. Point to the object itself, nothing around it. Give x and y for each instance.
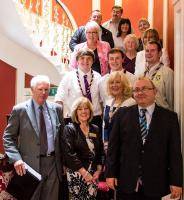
(80, 86)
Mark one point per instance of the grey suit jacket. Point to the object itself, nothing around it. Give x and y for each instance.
(21, 136)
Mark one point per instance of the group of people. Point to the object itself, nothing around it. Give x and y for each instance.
(113, 115)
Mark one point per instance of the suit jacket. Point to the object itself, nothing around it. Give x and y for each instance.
(21, 136)
(80, 37)
(160, 157)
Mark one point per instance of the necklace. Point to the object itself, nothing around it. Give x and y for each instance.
(78, 79)
(112, 111)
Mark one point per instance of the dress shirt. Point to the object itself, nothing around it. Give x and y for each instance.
(164, 83)
(48, 124)
(111, 26)
(103, 85)
(140, 62)
(69, 90)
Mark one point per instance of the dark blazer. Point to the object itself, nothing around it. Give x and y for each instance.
(80, 37)
(21, 136)
(75, 149)
(160, 157)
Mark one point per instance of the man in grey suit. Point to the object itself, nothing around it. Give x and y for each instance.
(33, 136)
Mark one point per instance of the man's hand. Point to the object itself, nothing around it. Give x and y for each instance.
(20, 167)
(175, 191)
(111, 182)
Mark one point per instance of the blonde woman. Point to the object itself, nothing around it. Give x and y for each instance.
(83, 151)
(119, 89)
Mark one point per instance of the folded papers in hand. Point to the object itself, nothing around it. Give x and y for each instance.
(23, 187)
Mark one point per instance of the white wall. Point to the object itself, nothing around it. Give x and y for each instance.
(25, 61)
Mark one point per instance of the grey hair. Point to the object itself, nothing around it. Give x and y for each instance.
(92, 24)
(39, 79)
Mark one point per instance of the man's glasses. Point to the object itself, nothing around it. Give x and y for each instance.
(143, 89)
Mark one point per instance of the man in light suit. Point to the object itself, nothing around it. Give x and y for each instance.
(145, 166)
(22, 138)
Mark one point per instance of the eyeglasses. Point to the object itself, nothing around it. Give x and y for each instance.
(143, 89)
(93, 33)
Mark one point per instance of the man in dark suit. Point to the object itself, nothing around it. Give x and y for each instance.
(144, 159)
(33, 136)
(80, 35)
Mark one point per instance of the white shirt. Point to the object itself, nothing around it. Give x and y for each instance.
(69, 90)
(103, 85)
(140, 62)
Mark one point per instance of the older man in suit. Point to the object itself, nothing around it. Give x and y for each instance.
(33, 136)
(144, 159)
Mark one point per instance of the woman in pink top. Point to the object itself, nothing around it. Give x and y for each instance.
(100, 49)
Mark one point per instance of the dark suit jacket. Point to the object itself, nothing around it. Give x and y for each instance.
(160, 157)
(21, 136)
(80, 37)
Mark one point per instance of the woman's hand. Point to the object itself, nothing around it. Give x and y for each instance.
(96, 175)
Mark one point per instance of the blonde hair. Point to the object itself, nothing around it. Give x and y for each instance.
(127, 92)
(131, 36)
(81, 101)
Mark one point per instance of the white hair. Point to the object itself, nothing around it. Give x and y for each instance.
(92, 24)
(39, 79)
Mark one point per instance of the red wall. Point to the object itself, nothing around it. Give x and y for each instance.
(7, 100)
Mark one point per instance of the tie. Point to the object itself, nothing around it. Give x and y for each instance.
(43, 134)
(87, 88)
(143, 124)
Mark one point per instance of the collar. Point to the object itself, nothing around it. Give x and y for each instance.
(81, 73)
(149, 109)
(36, 105)
(152, 69)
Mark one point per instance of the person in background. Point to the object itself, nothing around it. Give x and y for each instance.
(130, 44)
(144, 160)
(140, 63)
(124, 28)
(143, 25)
(80, 36)
(82, 81)
(33, 136)
(115, 59)
(100, 49)
(112, 24)
(161, 75)
(118, 87)
(83, 151)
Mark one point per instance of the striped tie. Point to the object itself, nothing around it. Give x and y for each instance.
(143, 124)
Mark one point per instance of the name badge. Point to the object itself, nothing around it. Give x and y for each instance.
(93, 135)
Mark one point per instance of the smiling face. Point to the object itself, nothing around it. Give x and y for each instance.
(143, 25)
(125, 28)
(130, 44)
(97, 17)
(144, 92)
(83, 113)
(115, 61)
(152, 54)
(116, 14)
(40, 92)
(84, 63)
(92, 34)
(116, 87)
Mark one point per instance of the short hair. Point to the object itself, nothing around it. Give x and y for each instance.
(117, 7)
(127, 91)
(39, 79)
(143, 20)
(143, 78)
(96, 10)
(85, 52)
(92, 24)
(124, 21)
(115, 50)
(81, 101)
(132, 36)
(152, 31)
(157, 43)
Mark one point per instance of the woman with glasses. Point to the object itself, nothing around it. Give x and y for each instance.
(83, 152)
(100, 49)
